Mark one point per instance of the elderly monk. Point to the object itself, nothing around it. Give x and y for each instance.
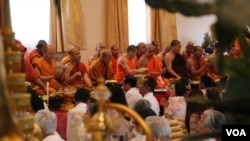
(99, 47)
(174, 61)
(189, 50)
(101, 68)
(36, 53)
(196, 65)
(75, 72)
(114, 58)
(46, 67)
(126, 64)
(32, 75)
(153, 63)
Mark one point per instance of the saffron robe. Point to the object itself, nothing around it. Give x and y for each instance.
(79, 67)
(47, 69)
(98, 70)
(121, 73)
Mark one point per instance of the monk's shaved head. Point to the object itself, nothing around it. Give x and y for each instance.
(105, 56)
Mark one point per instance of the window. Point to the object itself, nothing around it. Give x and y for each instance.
(30, 21)
(137, 19)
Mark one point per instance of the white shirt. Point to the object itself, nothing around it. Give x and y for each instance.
(153, 101)
(54, 137)
(75, 127)
(132, 96)
(177, 107)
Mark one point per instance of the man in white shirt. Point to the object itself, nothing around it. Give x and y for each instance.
(146, 88)
(75, 127)
(132, 93)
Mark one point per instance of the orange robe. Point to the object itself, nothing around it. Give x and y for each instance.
(197, 66)
(154, 64)
(113, 62)
(32, 56)
(31, 73)
(98, 70)
(48, 70)
(79, 67)
(65, 59)
(121, 73)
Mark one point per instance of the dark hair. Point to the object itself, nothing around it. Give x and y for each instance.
(82, 95)
(149, 83)
(193, 107)
(174, 43)
(36, 102)
(41, 43)
(117, 94)
(213, 95)
(131, 48)
(131, 80)
(207, 80)
(180, 88)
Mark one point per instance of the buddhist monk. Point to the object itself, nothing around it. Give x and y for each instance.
(126, 64)
(36, 53)
(32, 75)
(174, 61)
(189, 50)
(153, 63)
(101, 68)
(75, 72)
(114, 58)
(196, 65)
(141, 49)
(99, 47)
(46, 67)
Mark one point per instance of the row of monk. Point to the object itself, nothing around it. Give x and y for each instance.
(40, 65)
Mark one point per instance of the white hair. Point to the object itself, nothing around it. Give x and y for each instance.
(213, 119)
(160, 127)
(46, 120)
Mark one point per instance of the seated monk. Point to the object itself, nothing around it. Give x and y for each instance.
(126, 65)
(115, 57)
(101, 68)
(75, 72)
(153, 63)
(99, 47)
(36, 53)
(32, 75)
(46, 67)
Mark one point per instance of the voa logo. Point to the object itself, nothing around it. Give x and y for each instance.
(236, 132)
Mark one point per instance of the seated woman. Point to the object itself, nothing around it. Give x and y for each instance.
(47, 121)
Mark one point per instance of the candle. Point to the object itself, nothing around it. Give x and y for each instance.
(47, 89)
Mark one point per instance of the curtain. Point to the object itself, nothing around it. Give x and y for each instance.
(117, 23)
(163, 27)
(70, 28)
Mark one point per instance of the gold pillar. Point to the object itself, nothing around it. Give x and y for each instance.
(16, 88)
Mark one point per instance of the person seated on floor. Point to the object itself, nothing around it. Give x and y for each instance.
(141, 49)
(37, 52)
(127, 64)
(156, 46)
(159, 127)
(101, 68)
(211, 121)
(196, 65)
(47, 121)
(132, 94)
(99, 47)
(153, 63)
(75, 72)
(32, 76)
(143, 108)
(189, 50)
(115, 57)
(76, 130)
(146, 88)
(174, 61)
(46, 67)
